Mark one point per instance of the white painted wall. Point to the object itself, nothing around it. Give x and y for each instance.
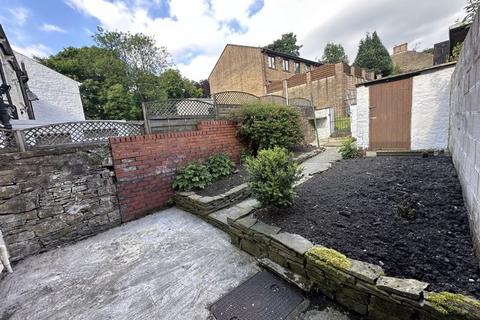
(59, 96)
(360, 117)
(323, 118)
(430, 109)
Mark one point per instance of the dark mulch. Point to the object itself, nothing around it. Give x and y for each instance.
(364, 208)
(225, 184)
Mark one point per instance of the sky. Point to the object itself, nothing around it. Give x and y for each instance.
(196, 31)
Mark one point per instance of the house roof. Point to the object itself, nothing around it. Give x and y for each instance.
(290, 56)
(406, 74)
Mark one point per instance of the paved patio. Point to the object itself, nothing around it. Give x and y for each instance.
(169, 265)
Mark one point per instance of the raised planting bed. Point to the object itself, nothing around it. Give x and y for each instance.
(405, 214)
(228, 190)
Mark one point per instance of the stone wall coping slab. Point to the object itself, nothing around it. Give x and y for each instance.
(365, 271)
(293, 241)
(265, 229)
(410, 288)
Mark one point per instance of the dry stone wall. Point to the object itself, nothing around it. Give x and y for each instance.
(53, 197)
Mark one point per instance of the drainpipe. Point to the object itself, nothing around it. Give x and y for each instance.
(4, 254)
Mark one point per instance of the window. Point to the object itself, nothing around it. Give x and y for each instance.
(307, 68)
(286, 66)
(297, 67)
(271, 62)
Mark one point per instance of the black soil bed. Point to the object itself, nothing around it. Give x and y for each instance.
(225, 184)
(404, 213)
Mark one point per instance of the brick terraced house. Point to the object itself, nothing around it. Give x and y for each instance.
(251, 69)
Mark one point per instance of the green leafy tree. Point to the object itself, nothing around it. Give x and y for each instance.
(286, 44)
(428, 50)
(471, 9)
(120, 104)
(142, 56)
(118, 76)
(204, 85)
(334, 53)
(176, 87)
(373, 55)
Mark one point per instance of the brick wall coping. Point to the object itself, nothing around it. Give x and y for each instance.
(156, 136)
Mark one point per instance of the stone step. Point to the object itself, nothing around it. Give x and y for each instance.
(293, 278)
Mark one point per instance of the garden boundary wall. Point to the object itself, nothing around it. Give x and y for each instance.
(145, 166)
(52, 197)
(464, 139)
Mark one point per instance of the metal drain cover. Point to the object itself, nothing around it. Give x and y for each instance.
(262, 297)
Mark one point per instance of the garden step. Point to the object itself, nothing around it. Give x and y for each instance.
(301, 282)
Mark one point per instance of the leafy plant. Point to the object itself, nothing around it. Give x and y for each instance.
(272, 175)
(265, 126)
(456, 52)
(219, 165)
(193, 176)
(349, 149)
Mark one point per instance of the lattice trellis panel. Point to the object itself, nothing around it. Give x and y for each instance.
(79, 132)
(234, 98)
(274, 99)
(180, 108)
(7, 140)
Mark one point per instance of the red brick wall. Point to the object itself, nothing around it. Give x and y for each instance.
(145, 166)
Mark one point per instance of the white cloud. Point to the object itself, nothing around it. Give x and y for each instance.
(197, 30)
(19, 15)
(34, 50)
(48, 27)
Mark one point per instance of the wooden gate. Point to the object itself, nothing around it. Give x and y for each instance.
(390, 115)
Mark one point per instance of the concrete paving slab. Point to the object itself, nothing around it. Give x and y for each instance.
(169, 265)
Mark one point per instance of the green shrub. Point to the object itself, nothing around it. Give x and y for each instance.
(272, 175)
(193, 176)
(265, 126)
(349, 149)
(219, 165)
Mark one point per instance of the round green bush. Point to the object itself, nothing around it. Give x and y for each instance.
(265, 126)
(193, 176)
(219, 165)
(272, 175)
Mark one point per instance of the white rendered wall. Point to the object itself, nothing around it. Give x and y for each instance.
(323, 123)
(360, 117)
(430, 109)
(59, 96)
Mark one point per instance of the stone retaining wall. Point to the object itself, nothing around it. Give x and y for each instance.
(56, 196)
(357, 285)
(194, 203)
